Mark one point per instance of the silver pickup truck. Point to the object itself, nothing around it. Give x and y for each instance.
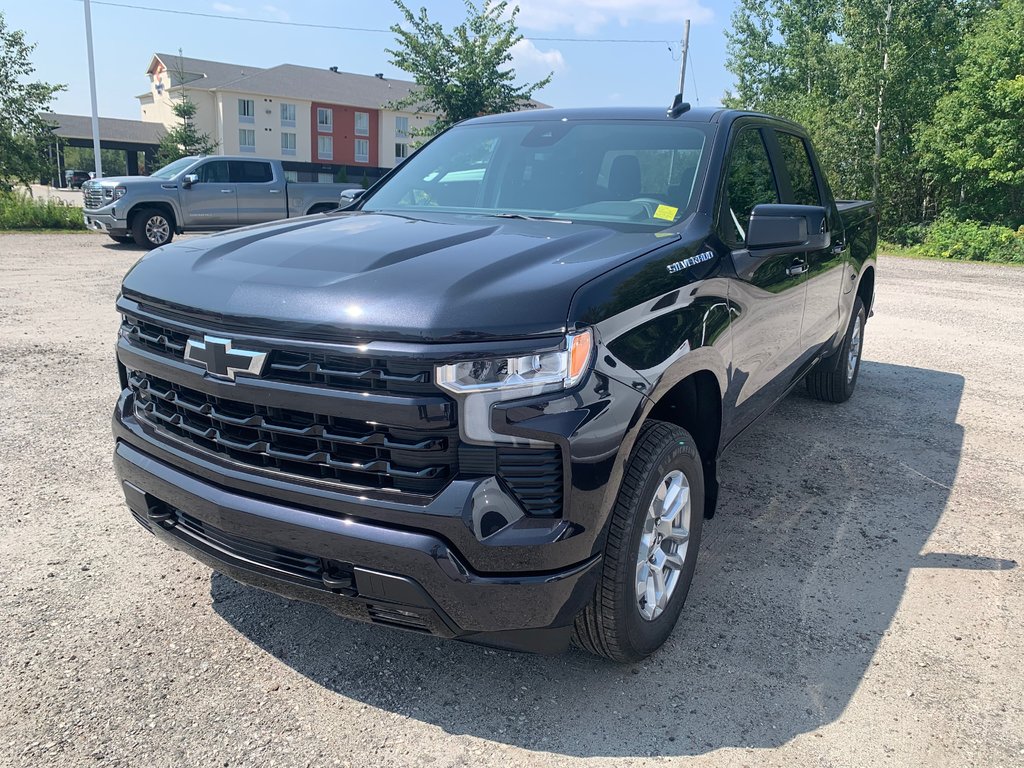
(200, 194)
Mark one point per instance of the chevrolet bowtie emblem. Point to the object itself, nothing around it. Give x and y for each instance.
(221, 359)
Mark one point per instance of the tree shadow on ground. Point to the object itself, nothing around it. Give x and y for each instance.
(824, 511)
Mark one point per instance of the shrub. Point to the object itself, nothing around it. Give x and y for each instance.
(948, 238)
(18, 211)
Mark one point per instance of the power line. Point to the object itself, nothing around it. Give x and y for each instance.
(338, 27)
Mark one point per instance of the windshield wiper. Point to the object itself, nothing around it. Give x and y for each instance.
(525, 217)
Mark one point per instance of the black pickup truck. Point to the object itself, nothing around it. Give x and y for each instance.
(488, 399)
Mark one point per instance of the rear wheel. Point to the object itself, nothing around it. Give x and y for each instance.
(652, 546)
(152, 228)
(834, 377)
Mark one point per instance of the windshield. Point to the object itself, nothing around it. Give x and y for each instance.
(630, 172)
(173, 169)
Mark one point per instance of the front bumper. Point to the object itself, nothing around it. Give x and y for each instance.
(104, 222)
(356, 568)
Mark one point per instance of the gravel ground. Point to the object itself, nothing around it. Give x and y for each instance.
(858, 599)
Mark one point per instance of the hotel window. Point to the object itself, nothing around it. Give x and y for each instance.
(362, 123)
(324, 120)
(325, 178)
(291, 176)
(288, 115)
(401, 128)
(362, 151)
(325, 147)
(287, 143)
(246, 140)
(401, 150)
(246, 111)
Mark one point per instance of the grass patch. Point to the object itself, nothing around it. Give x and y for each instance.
(955, 240)
(19, 212)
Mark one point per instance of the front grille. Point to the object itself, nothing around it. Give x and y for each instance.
(92, 196)
(297, 442)
(310, 367)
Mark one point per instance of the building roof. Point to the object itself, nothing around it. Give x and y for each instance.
(201, 73)
(312, 84)
(112, 129)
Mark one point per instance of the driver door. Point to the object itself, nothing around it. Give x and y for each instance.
(769, 295)
(212, 201)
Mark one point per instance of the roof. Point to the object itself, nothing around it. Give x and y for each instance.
(694, 115)
(112, 129)
(208, 74)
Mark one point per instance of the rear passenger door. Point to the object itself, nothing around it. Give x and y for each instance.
(768, 297)
(801, 184)
(261, 197)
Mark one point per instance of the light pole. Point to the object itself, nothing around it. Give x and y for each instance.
(92, 89)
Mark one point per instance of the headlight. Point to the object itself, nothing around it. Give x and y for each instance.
(119, 192)
(108, 193)
(542, 372)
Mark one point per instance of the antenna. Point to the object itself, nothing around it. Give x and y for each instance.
(685, 49)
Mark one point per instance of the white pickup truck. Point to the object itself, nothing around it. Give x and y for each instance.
(201, 194)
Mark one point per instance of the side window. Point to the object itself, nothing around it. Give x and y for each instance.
(749, 182)
(215, 172)
(798, 163)
(250, 172)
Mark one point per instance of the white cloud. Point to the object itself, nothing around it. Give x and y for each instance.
(532, 63)
(278, 14)
(585, 17)
(235, 10)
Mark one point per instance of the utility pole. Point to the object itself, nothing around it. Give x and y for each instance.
(682, 59)
(92, 88)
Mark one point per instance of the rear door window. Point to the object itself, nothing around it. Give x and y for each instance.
(251, 172)
(214, 172)
(749, 182)
(802, 181)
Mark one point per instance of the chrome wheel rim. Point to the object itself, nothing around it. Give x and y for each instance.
(854, 356)
(663, 545)
(157, 230)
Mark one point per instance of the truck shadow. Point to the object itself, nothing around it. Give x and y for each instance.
(823, 514)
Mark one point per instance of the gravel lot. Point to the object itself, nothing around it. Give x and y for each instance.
(858, 599)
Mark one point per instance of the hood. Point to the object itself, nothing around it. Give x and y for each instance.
(370, 276)
(113, 181)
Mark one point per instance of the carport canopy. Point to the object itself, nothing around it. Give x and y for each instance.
(116, 133)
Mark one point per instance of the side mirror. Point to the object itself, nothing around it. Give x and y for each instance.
(798, 227)
(189, 180)
(349, 196)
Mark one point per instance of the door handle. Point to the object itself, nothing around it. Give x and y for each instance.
(797, 268)
(227, 191)
(275, 191)
(838, 248)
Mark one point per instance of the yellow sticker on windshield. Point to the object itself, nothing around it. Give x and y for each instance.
(666, 212)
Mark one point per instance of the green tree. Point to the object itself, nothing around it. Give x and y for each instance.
(973, 151)
(24, 134)
(464, 72)
(185, 139)
(861, 75)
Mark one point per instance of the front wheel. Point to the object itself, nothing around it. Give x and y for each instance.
(834, 377)
(651, 551)
(152, 228)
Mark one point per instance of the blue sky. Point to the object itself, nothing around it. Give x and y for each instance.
(586, 74)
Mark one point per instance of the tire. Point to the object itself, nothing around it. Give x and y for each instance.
(613, 624)
(833, 379)
(123, 238)
(152, 228)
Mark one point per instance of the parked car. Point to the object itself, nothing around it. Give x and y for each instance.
(201, 194)
(488, 400)
(75, 179)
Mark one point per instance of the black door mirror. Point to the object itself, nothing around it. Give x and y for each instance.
(189, 180)
(795, 227)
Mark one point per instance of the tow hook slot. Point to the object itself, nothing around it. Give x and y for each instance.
(337, 578)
